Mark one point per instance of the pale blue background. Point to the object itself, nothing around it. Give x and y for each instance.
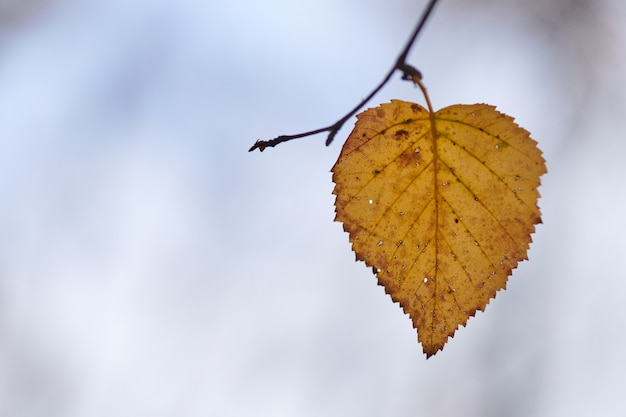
(151, 266)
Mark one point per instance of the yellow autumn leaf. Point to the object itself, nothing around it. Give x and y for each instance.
(441, 207)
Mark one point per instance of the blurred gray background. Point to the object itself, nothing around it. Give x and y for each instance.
(151, 266)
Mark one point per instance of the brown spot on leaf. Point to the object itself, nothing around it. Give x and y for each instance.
(400, 134)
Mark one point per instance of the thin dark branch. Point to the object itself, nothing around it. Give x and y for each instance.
(408, 73)
(401, 62)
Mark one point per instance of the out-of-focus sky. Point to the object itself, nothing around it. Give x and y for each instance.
(151, 266)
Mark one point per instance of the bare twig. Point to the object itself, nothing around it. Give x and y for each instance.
(408, 73)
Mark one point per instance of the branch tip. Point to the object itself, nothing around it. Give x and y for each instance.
(331, 137)
(259, 144)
